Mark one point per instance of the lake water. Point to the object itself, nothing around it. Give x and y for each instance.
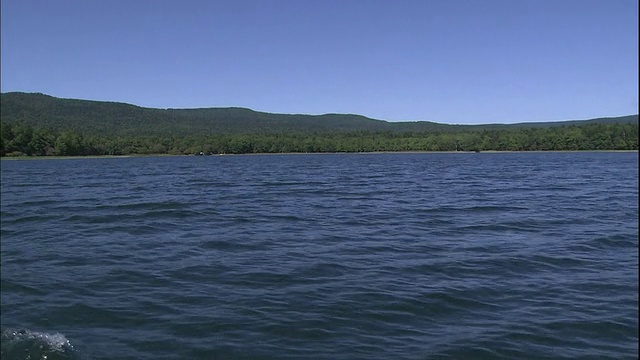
(334, 256)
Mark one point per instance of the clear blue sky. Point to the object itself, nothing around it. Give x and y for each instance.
(449, 61)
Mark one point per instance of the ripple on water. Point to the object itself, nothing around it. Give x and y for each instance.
(403, 256)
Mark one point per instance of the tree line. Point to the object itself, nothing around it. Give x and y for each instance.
(25, 140)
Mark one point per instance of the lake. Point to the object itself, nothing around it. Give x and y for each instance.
(325, 256)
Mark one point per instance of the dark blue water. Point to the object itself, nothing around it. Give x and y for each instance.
(369, 256)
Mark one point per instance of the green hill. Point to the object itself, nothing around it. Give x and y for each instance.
(38, 124)
(96, 117)
(118, 119)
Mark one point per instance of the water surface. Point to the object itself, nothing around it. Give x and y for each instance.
(333, 256)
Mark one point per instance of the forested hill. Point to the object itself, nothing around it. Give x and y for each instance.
(97, 117)
(41, 125)
(119, 119)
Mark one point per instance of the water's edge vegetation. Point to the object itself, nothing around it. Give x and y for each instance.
(20, 140)
(40, 125)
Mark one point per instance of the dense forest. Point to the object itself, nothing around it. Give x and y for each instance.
(25, 140)
(40, 125)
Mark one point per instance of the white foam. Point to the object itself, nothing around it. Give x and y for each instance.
(55, 341)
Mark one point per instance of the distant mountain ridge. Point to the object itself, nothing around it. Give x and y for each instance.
(114, 118)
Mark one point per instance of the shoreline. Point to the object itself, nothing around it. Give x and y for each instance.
(306, 153)
(54, 157)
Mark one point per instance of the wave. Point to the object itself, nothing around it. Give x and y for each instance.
(26, 344)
